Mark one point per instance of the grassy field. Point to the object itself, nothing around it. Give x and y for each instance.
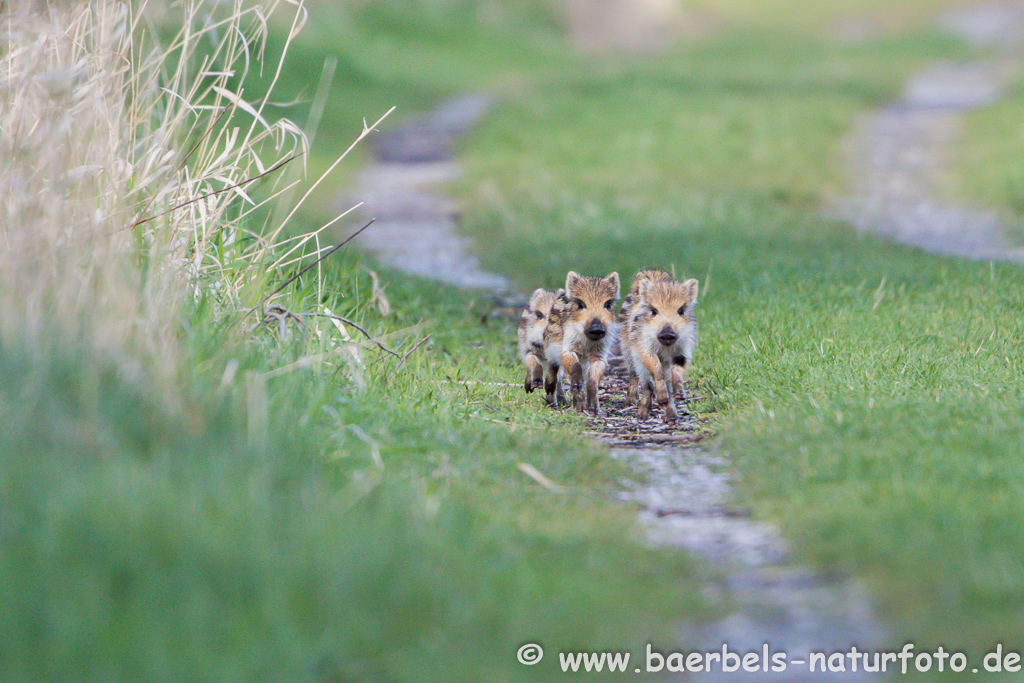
(312, 509)
(294, 527)
(989, 167)
(867, 392)
(187, 494)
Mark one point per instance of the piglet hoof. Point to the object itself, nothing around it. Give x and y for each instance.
(537, 384)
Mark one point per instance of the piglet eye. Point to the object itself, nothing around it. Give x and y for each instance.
(608, 304)
(654, 311)
(682, 310)
(540, 316)
(579, 303)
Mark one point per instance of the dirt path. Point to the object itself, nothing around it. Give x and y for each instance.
(416, 229)
(685, 494)
(685, 491)
(687, 499)
(897, 154)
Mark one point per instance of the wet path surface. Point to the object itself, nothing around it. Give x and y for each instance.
(896, 154)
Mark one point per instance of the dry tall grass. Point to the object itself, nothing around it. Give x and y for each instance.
(127, 167)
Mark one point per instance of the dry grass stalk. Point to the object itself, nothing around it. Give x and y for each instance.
(127, 165)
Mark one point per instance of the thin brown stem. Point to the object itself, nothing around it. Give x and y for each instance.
(152, 199)
(407, 354)
(293, 278)
(355, 325)
(217, 192)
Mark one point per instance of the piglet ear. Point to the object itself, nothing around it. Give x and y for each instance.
(614, 280)
(644, 288)
(691, 289)
(571, 280)
(536, 296)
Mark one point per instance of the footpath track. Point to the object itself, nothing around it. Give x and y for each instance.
(683, 488)
(897, 154)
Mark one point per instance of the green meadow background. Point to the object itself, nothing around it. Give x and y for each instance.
(297, 513)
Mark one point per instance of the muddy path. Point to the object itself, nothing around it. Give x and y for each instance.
(897, 155)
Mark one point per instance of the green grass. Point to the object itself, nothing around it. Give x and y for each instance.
(372, 523)
(867, 392)
(409, 56)
(871, 16)
(988, 169)
(273, 516)
(876, 420)
(296, 528)
(726, 134)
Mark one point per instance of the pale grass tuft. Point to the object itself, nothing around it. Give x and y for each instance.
(128, 169)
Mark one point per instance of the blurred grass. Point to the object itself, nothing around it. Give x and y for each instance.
(411, 56)
(857, 17)
(306, 509)
(737, 130)
(866, 391)
(989, 166)
(296, 525)
(293, 527)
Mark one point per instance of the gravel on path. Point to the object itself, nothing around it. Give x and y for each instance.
(685, 493)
